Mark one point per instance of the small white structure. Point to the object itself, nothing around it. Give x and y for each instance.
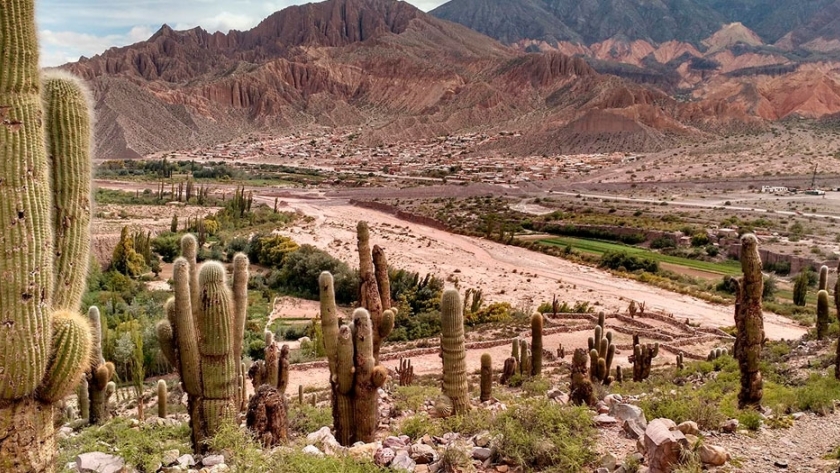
(773, 189)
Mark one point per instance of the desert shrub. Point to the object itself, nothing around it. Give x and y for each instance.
(750, 419)
(412, 327)
(167, 245)
(492, 313)
(540, 434)
(662, 242)
(299, 273)
(699, 239)
(782, 268)
(619, 259)
(305, 419)
(271, 250)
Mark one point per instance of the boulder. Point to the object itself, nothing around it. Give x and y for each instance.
(633, 429)
(423, 454)
(625, 412)
(213, 460)
(663, 445)
(713, 455)
(730, 426)
(384, 456)
(403, 462)
(689, 427)
(98, 462)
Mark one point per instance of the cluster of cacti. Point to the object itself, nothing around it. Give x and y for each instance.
(267, 411)
(355, 376)
(822, 305)
(536, 344)
(45, 208)
(100, 373)
(162, 398)
(274, 370)
(601, 353)
(717, 353)
(405, 372)
(680, 361)
(202, 338)
(241, 202)
(581, 392)
(486, 377)
(375, 287)
(453, 352)
(561, 352)
(473, 300)
(749, 323)
(642, 358)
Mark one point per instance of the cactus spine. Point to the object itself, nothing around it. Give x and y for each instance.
(355, 377)
(536, 344)
(454, 352)
(45, 209)
(601, 353)
(486, 377)
(822, 314)
(161, 392)
(204, 322)
(749, 323)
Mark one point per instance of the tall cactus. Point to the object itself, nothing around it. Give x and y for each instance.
(837, 307)
(162, 394)
(581, 392)
(486, 377)
(453, 351)
(375, 288)
(101, 372)
(204, 321)
(749, 323)
(524, 359)
(822, 314)
(536, 344)
(642, 358)
(45, 208)
(355, 377)
(823, 286)
(601, 353)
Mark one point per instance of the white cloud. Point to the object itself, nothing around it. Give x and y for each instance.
(73, 28)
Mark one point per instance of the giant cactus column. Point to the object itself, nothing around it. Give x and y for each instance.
(44, 242)
(203, 324)
(375, 288)
(355, 376)
(453, 351)
(749, 323)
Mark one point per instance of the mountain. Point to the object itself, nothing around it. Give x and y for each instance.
(381, 68)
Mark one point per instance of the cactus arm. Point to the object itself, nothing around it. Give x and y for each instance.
(161, 392)
(166, 339)
(240, 307)
(329, 321)
(68, 128)
(272, 364)
(370, 298)
(822, 314)
(72, 343)
(189, 251)
(454, 352)
(185, 332)
(366, 414)
(83, 399)
(283, 370)
(387, 323)
(383, 282)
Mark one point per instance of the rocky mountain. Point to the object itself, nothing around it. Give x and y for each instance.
(384, 70)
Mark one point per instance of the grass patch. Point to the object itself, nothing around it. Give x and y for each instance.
(305, 419)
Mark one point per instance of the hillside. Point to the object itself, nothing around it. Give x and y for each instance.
(382, 65)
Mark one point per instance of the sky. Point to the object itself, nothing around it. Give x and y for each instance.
(72, 28)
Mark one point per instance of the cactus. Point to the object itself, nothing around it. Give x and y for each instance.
(45, 133)
(514, 352)
(524, 359)
(508, 371)
(486, 377)
(822, 314)
(642, 358)
(561, 352)
(749, 323)
(405, 372)
(823, 286)
(680, 361)
(274, 371)
(717, 353)
(601, 353)
(619, 375)
(83, 400)
(100, 374)
(161, 392)
(355, 377)
(581, 387)
(204, 323)
(631, 309)
(375, 288)
(453, 351)
(837, 307)
(536, 344)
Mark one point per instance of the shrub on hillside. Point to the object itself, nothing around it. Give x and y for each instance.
(621, 260)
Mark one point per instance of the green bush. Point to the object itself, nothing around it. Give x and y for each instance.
(492, 313)
(662, 242)
(168, 246)
(539, 434)
(618, 259)
(305, 419)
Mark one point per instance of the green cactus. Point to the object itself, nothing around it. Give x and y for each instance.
(274, 371)
(601, 353)
(619, 375)
(536, 344)
(205, 319)
(823, 286)
(642, 358)
(45, 134)
(514, 352)
(161, 393)
(525, 359)
(375, 288)
(509, 370)
(100, 373)
(454, 352)
(83, 400)
(749, 323)
(581, 392)
(355, 377)
(680, 361)
(486, 377)
(822, 314)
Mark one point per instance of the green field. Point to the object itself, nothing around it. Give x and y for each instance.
(598, 247)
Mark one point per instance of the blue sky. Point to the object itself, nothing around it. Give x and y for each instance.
(73, 28)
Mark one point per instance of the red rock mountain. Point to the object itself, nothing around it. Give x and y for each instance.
(381, 66)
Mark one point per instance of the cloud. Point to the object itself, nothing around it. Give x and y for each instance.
(73, 28)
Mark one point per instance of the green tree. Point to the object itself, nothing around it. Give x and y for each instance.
(800, 288)
(124, 259)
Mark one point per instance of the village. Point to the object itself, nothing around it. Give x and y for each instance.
(457, 158)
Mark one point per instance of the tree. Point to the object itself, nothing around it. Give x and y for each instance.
(124, 259)
(800, 288)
